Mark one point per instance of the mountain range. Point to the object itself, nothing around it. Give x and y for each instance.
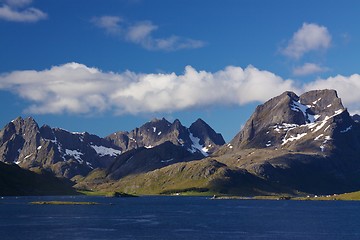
(67, 154)
(291, 144)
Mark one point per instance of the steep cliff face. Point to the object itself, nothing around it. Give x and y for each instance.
(289, 120)
(69, 154)
(159, 143)
(64, 153)
(309, 142)
(200, 137)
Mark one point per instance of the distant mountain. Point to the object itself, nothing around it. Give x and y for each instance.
(69, 154)
(15, 181)
(200, 137)
(64, 153)
(159, 143)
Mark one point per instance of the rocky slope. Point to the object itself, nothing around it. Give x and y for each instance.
(66, 154)
(307, 142)
(159, 143)
(200, 137)
(69, 154)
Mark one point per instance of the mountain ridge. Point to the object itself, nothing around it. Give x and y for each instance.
(293, 144)
(68, 154)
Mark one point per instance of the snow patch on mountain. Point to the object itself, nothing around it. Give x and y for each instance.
(196, 146)
(318, 137)
(298, 107)
(293, 138)
(347, 129)
(74, 153)
(103, 151)
(168, 160)
(315, 102)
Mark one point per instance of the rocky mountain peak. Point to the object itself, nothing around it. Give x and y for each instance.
(208, 137)
(322, 103)
(288, 117)
(64, 153)
(157, 131)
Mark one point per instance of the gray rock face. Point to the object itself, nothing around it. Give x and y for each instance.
(159, 143)
(289, 121)
(59, 151)
(206, 135)
(200, 137)
(69, 154)
(301, 142)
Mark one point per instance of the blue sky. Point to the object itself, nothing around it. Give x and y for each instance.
(104, 66)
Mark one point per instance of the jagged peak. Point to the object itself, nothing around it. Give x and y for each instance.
(154, 120)
(176, 123)
(331, 92)
(18, 119)
(291, 94)
(20, 124)
(200, 121)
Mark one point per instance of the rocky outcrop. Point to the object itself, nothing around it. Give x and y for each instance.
(302, 142)
(159, 143)
(64, 153)
(200, 137)
(285, 119)
(68, 154)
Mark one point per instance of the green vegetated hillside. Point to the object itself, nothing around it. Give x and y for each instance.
(15, 181)
(205, 177)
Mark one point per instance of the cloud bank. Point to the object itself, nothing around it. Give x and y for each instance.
(310, 37)
(78, 89)
(142, 33)
(17, 11)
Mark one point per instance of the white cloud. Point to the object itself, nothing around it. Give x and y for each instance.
(142, 33)
(12, 11)
(310, 37)
(76, 88)
(308, 69)
(348, 88)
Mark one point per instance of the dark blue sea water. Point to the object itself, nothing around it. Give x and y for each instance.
(178, 218)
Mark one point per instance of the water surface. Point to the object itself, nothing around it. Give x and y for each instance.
(178, 218)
